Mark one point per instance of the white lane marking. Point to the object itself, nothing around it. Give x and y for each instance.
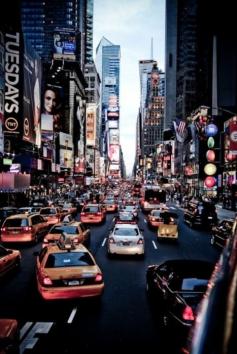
(154, 245)
(103, 243)
(145, 221)
(31, 339)
(25, 329)
(71, 317)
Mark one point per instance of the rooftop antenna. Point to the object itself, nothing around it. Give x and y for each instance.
(151, 48)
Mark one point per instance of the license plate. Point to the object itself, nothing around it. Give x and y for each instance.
(15, 232)
(126, 243)
(74, 282)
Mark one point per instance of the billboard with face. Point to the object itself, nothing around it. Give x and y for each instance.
(113, 153)
(64, 44)
(52, 112)
(31, 99)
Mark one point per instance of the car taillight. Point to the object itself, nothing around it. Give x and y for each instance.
(98, 278)
(83, 214)
(76, 240)
(47, 281)
(153, 219)
(188, 314)
(45, 240)
(99, 214)
(111, 240)
(3, 229)
(27, 228)
(140, 241)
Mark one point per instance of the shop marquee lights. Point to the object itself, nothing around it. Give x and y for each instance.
(210, 168)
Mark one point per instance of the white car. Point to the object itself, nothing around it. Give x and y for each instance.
(126, 239)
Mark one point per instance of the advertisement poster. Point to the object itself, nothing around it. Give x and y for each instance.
(64, 44)
(90, 124)
(114, 136)
(13, 85)
(113, 153)
(51, 112)
(66, 150)
(230, 140)
(32, 97)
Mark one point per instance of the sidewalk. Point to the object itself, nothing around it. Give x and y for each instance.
(224, 213)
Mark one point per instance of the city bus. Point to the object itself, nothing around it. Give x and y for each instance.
(152, 196)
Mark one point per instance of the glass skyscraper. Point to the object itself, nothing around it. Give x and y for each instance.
(40, 18)
(108, 67)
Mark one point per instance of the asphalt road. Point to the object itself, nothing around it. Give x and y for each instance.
(123, 319)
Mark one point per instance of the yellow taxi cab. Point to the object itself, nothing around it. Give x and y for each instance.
(67, 271)
(78, 232)
(93, 214)
(24, 228)
(9, 260)
(53, 215)
(154, 218)
(110, 205)
(168, 229)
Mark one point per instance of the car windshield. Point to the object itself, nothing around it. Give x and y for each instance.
(129, 208)
(67, 229)
(109, 201)
(194, 284)
(125, 216)
(69, 259)
(17, 222)
(126, 232)
(48, 211)
(91, 209)
(155, 213)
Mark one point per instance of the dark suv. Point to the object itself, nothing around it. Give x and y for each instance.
(200, 213)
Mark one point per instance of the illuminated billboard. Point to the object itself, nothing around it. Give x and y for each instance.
(13, 86)
(90, 124)
(113, 124)
(113, 101)
(32, 97)
(112, 114)
(52, 112)
(113, 136)
(113, 153)
(64, 44)
(66, 150)
(114, 167)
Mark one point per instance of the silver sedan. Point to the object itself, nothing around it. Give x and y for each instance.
(126, 239)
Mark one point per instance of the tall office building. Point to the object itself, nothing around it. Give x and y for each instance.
(153, 122)
(108, 66)
(145, 67)
(40, 18)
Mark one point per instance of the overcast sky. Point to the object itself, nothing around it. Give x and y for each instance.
(131, 24)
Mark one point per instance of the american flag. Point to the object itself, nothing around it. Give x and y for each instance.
(181, 127)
